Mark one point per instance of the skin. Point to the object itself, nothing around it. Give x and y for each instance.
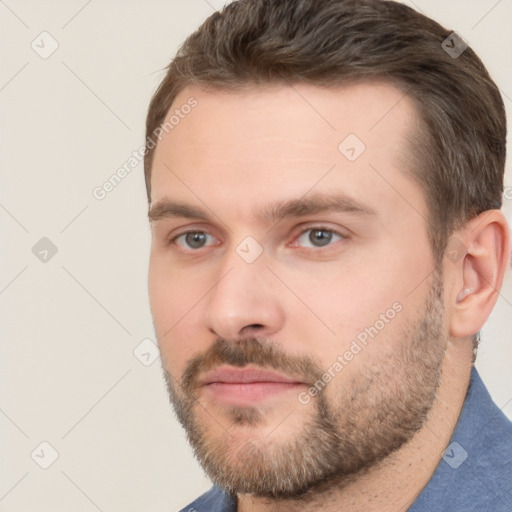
(237, 155)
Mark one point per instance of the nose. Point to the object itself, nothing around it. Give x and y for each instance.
(244, 302)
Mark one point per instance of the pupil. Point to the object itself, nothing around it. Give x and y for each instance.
(320, 237)
(195, 240)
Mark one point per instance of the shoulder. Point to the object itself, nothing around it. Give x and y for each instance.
(475, 473)
(215, 500)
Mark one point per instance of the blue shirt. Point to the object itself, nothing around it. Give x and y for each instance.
(474, 475)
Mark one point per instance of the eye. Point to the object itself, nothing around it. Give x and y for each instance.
(318, 237)
(194, 240)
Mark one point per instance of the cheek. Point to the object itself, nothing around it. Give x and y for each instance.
(161, 302)
(358, 310)
(342, 300)
(171, 293)
(172, 301)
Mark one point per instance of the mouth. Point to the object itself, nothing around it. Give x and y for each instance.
(245, 386)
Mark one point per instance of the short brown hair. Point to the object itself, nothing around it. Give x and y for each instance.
(460, 150)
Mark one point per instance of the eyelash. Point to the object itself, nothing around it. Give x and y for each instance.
(173, 240)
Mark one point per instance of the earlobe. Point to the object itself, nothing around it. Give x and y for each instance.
(479, 273)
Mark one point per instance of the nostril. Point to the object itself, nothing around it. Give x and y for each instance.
(252, 327)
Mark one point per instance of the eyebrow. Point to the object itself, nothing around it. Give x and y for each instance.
(165, 208)
(313, 204)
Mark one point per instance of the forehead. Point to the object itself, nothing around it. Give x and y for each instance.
(260, 142)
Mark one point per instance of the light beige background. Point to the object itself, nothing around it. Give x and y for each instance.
(70, 325)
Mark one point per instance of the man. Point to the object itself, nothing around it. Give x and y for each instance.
(324, 181)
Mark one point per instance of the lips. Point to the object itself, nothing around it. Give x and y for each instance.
(244, 376)
(243, 386)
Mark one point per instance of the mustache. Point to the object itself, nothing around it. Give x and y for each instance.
(249, 351)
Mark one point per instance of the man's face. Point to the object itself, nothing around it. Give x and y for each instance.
(291, 283)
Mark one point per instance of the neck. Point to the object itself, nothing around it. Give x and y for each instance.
(394, 484)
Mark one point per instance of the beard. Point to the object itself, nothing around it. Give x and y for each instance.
(351, 426)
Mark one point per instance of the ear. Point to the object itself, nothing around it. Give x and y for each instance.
(477, 258)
